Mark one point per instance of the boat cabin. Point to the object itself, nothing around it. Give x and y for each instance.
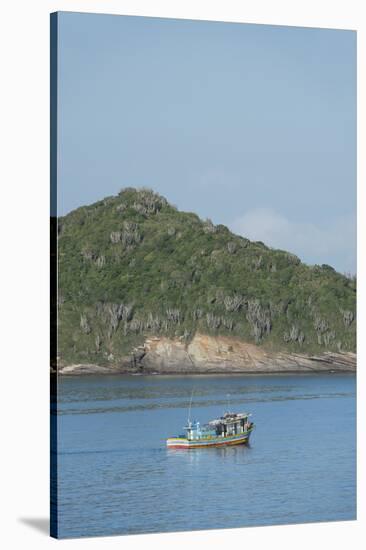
(231, 424)
(227, 425)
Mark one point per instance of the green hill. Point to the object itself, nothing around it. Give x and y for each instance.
(132, 265)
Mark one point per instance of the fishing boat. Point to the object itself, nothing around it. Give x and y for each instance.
(229, 429)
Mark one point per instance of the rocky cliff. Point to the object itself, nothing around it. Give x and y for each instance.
(216, 354)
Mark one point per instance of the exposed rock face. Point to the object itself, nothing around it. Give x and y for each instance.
(149, 202)
(215, 354)
(209, 227)
(224, 354)
(79, 369)
(84, 324)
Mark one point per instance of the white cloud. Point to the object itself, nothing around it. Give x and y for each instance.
(334, 244)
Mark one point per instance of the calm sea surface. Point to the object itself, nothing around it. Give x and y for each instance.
(116, 475)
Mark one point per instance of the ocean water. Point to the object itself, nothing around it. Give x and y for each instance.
(116, 476)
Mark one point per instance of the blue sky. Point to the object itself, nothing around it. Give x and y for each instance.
(253, 126)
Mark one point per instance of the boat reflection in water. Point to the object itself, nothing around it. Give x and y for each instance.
(230, 429)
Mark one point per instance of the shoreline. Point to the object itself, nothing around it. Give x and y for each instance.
(189, 374)
(207, 354)
(90, 370)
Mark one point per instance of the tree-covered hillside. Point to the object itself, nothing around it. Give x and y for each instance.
(133, 266)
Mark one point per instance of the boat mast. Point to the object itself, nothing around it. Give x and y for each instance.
(228, 403)
(190, 407)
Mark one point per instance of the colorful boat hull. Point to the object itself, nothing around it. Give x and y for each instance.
(184, 443)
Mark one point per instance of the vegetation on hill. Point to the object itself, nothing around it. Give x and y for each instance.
(133, 266)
